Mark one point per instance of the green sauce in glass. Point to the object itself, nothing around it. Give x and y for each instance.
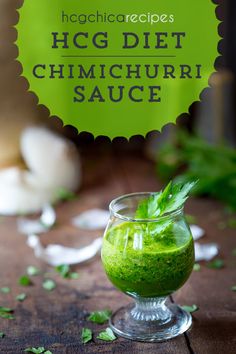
(140, 261)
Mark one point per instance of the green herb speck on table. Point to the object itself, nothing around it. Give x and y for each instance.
(86, 335)
(5, 290)
(6, 312)
(6, 309)
(21, 297)
(65, 272)
(33, 271)
(216, 264)
(24, 280)
(49, 284)
(190, 309)
(2, 335)
(196, 267)
(107, 335)
(233, 288)
(38, 350)
(99, 317)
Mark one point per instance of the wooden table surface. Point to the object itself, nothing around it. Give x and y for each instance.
(55, 319)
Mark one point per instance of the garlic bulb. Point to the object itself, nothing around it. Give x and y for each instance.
(51, 157)
(53, 163)
(21, 192)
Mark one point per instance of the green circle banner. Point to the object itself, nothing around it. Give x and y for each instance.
(117, 68)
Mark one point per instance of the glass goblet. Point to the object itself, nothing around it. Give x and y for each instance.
(147, 259)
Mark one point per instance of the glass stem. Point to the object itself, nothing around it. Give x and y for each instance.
(151, 309)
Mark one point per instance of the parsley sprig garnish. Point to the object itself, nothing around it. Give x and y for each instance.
(170, 199)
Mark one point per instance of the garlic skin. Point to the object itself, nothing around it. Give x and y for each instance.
(52, 161)
(53, 158)
(56, 255)
(93, 219)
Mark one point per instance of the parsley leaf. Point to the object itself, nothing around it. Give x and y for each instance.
(196, 267)
(49, 284)
(24, 280)
(5, 309)
(64, 271)
(32, 270)
(166, 201)
(234, 252)
(233, 288)
(7, 316)
(21, 297)
(164, 198)
(179, 195)
(100, 317)
(107, 335)
(216, 264)
(142, 210)
(5, 290)
(38, 350)
(86, 335)
(190, 309)
(6, 312)
(2, 335)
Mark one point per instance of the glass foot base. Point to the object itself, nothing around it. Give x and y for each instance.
(130, 323)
